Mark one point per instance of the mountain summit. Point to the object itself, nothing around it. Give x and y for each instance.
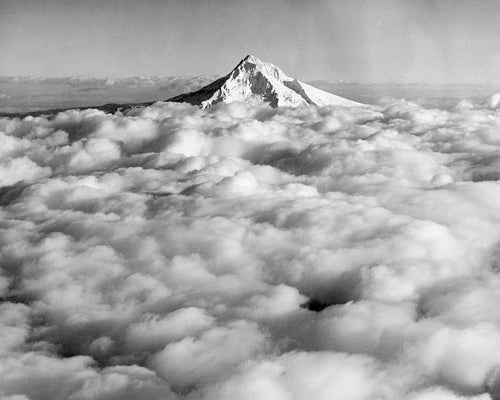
(253, 82)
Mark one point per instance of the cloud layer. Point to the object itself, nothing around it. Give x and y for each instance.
(235, 253)
(22, 94)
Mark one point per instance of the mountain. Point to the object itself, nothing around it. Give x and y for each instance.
(253, 82)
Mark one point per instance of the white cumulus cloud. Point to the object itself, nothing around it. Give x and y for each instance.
(240, 253)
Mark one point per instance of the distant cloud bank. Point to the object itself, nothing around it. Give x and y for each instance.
(251, 253)
(24, 94)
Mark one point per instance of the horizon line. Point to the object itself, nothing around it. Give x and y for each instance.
(25, 78)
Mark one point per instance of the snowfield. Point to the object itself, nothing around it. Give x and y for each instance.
(242, 253)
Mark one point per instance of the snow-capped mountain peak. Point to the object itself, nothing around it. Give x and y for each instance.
(253, 81)
(251, 66)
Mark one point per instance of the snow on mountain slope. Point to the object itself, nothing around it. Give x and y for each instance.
(253, 82)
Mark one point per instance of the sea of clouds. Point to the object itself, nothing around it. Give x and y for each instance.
(251, 253)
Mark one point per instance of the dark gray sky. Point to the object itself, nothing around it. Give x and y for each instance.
(355, 40)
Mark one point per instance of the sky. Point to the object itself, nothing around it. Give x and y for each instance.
(367, 41)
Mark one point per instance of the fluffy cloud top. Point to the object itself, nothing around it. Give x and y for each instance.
(242, 253)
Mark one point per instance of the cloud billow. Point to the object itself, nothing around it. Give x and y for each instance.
(238, 253)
